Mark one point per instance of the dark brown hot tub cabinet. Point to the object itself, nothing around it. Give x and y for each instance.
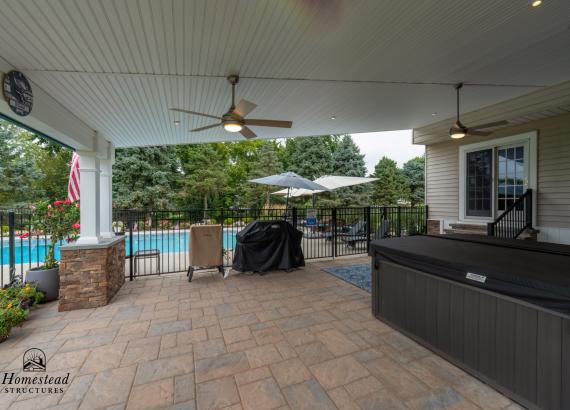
(512, 335)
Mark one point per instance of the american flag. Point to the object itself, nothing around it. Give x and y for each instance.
(73, 186)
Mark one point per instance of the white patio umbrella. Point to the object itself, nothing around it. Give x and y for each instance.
(290, 180)
(330, 182)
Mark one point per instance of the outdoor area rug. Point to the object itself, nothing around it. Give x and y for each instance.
(358, 275)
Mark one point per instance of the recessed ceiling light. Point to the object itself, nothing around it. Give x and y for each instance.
(333, 117)
(176, 122)
(536, 3)
(433, 114)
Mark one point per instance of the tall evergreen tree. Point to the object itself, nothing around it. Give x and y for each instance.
(413, 172)
(388, 189)
(348, 161)
(310, 157)
(145, 178)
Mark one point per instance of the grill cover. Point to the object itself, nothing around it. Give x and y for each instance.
(268, 245)
(205, 245)
(538, 273)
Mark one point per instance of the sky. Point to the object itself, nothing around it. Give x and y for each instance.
(396, 145)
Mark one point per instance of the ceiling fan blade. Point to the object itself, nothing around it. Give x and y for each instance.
(244, 107)
(478, 133)
(270, 123)
(205, 127)
(489, 125)
(195, 113)
(246, 132)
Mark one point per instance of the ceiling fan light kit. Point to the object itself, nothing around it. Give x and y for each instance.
(234, 120)
(458, 130)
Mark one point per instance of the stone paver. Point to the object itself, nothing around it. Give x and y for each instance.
(154, 395)
(284, 341)
(217, 394)
(261, 395)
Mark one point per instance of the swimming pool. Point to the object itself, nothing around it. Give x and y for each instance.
(34, 250)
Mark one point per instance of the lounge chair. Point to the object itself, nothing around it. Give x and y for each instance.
(382, 232)
(357, 228)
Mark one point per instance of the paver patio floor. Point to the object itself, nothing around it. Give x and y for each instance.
(299, 340)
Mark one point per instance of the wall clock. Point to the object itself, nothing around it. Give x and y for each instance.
(18, 92)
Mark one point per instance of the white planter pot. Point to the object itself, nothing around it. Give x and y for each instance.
(47, 281)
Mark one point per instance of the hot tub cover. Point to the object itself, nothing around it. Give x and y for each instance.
(268, 245)
(538, 273)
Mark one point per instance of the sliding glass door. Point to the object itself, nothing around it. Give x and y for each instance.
(512, 175)
(479, 183)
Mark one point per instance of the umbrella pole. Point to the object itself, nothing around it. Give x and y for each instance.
(287, 202)
(314, 199)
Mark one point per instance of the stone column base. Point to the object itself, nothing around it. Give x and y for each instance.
(433, 226)
(90, 275)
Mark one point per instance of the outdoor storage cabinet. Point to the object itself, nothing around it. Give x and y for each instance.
(519, 347)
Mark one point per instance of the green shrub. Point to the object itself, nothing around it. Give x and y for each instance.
(15, 302)
(228, 221)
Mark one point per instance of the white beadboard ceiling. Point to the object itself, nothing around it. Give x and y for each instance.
(118, 65)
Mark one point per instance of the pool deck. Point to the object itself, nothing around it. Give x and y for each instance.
(299, 340)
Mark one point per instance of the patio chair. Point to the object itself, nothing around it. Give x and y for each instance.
(382, 232)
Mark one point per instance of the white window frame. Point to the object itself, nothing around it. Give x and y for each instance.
(530, 137)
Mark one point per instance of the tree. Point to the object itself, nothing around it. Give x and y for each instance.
(388, 189)
(54, 163)
(18, 166)
(145, 178)
(310, 157)
(348, 161)
(268, 163)
(413, 173)
(204, 172)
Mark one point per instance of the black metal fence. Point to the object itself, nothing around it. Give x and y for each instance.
(158, 241)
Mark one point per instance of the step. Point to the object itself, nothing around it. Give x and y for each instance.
(465, 231)
(468, 227)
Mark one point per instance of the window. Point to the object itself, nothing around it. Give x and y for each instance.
(493, 174)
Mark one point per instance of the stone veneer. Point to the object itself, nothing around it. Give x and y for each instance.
(90, 275)
(433, 226)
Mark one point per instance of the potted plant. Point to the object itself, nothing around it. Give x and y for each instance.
(58, 221)
(118, 227)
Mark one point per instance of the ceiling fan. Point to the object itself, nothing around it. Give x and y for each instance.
(458, 130)
(234, 120)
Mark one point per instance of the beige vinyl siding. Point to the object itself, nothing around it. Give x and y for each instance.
(553, 196)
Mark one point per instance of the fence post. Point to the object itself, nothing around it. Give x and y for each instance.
(295, 217)
(131, 267)
(399, 230)
(222, 223)
(12, 245)
(490, 229)
(333, 239)
(368, 230)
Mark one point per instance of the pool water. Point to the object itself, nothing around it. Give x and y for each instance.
(34, 250)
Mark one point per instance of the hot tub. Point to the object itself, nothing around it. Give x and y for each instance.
(499, 309)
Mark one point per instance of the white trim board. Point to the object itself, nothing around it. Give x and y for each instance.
(531, 138)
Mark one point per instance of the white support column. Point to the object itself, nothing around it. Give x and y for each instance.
(107, 198)
(89, 185)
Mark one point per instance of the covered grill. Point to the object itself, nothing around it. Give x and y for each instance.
(268, 245)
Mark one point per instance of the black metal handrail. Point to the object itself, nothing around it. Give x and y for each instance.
(516, 218)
